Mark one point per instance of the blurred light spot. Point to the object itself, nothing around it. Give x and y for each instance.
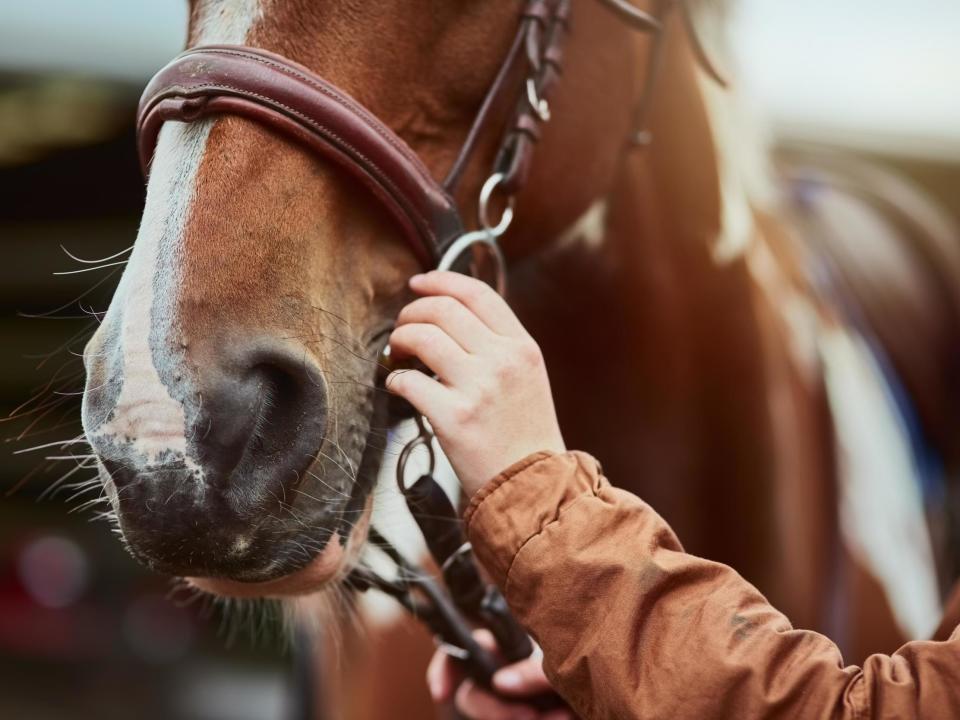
(156, 630)
(54, 571)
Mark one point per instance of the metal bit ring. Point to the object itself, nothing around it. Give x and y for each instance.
(423, 439)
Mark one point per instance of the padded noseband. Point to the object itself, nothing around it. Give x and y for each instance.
(287, 97)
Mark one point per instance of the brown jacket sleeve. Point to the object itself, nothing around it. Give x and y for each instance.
(633, 627)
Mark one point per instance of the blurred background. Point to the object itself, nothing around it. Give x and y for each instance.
(84, 633)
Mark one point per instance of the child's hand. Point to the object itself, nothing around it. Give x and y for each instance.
(491, 405)
(513, 684)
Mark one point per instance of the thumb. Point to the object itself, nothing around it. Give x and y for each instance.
(443, 677)
(522, 679)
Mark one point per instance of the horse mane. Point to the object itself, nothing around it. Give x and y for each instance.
(743, 143)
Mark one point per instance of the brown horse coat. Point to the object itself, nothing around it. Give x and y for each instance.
(631, 626)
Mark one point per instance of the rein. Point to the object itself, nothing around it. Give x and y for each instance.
(292, 101)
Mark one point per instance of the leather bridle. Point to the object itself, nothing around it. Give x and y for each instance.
(291, 100)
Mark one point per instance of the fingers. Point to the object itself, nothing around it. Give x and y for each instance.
(485, 639)
(434, 348)
(479, 704)
(562, 714)
(524, 678)
(428, 396)
(443, 676)
(451, 316)
(446, 681)
(477, 296)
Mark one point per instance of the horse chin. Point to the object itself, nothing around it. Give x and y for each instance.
(312, 577)
(326, 568)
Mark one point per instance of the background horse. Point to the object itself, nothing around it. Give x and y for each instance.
(694, 342)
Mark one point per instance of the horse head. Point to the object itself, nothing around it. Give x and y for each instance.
(231, 393)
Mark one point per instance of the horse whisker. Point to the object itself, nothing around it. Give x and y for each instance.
(94, 262)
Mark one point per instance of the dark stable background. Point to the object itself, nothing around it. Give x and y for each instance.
(85, 632)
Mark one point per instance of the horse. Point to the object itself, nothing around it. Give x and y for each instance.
(672, 283)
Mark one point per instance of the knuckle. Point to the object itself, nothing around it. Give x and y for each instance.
(431, 338)
(529, 353)
(418, 335)
(401, 335)
(476, 290)
(444, 305)
(417, 309)
(398, 382)
(507, 369)
(405, 312)
(465, 412)
(486, 391)
(517, 359)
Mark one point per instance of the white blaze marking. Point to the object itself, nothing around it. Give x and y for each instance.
(226, 22)
(146, 414)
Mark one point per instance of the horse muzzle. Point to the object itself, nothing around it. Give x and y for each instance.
(219, 474)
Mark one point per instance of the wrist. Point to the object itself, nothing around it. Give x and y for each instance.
(478, 485)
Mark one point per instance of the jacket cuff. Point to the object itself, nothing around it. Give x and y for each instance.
(521, 501)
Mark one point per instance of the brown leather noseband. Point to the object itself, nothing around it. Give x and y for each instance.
(289, 99)
(293, 101)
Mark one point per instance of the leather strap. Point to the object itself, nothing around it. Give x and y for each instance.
(538, 20)
(546, 26)
(636, 18)
(289, 98)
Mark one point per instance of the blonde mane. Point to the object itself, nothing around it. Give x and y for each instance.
(741, 139)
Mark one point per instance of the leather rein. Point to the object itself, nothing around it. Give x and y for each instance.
(216, 80)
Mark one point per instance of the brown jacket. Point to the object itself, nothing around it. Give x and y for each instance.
(632, 627)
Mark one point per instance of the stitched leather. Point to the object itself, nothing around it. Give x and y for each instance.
(287, 97)
(544, 48)
(290, 99)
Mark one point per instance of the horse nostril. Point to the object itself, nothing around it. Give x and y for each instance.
(201, 479)
(264, 418)
(279, 393)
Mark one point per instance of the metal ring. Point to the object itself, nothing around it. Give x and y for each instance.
(538, 104)
(464, 549)
(478, 237)
(427, 442)
(486, 192)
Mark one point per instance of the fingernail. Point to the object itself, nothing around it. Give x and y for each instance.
(508, 679)
(417, 278)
